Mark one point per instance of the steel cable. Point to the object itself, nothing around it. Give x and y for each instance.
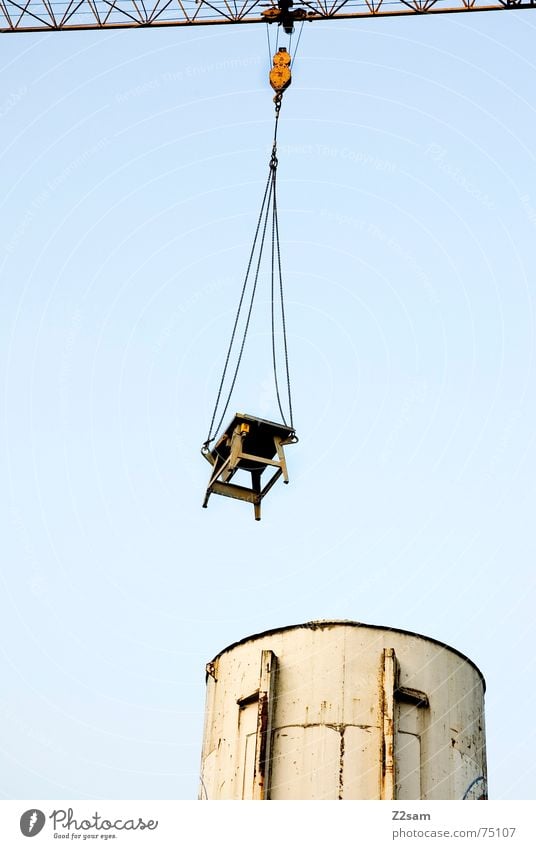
(269, 202)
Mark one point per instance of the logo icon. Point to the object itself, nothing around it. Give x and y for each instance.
(31, 822)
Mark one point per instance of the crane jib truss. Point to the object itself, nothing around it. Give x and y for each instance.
(45, 15)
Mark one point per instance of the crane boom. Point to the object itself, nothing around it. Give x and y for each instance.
(45, 15)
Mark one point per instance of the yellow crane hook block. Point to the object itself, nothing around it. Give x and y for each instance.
(249, 445)
(280, 76)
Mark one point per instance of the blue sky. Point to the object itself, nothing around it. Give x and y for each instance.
(133, 169)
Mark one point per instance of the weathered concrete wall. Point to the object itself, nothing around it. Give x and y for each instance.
(340, 710)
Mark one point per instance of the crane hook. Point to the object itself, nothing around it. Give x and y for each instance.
(280, 76)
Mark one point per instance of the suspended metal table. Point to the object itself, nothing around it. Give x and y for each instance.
(251, 445)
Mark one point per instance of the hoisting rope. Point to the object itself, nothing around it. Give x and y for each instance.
(269, 203)
(297, 44)
(276, 250)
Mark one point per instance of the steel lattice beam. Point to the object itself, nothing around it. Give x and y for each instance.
(43, 15)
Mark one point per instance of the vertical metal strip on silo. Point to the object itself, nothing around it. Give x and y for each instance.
(388, 685)
(261, 775)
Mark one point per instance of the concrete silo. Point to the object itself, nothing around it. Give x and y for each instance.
(342, 710)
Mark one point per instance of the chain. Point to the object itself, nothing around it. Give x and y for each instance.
(269, 202)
